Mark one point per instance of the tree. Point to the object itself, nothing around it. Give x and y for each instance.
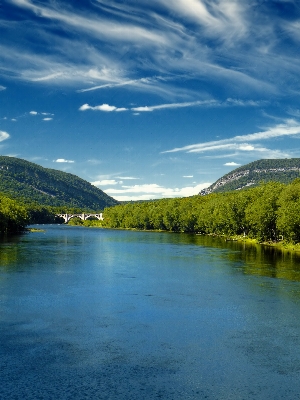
(288, 220)
(261, 213)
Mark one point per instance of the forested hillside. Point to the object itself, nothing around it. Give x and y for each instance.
(29, 182)
(267, 212)
(280, 170)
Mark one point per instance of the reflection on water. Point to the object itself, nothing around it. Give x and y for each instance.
(104, 314)
(253, 258)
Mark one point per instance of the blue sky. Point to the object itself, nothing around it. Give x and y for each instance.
(149, 99)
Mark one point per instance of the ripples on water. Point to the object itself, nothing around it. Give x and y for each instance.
(104, 314)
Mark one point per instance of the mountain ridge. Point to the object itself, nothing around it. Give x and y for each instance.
(264, 170)
(30, 182)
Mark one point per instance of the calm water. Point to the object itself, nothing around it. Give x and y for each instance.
(104, 314)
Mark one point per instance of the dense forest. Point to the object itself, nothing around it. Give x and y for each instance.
(268, 212)
(29, 182)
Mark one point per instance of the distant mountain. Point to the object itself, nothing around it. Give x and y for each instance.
(20, 179)
(280, 170)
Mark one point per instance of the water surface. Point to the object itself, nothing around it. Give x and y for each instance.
(106, 314)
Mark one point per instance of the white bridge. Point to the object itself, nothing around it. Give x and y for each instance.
(82, 216)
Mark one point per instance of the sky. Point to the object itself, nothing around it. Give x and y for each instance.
(149, 99)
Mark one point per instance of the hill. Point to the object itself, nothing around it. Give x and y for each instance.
(29, 182)
(279, 170)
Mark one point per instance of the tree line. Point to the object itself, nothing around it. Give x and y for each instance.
(268, 212)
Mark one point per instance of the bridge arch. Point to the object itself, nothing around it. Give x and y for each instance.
(83, 216)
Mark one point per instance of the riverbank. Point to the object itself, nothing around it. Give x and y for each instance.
(280, 245)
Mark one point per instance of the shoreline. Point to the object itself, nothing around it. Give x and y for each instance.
(280, 245)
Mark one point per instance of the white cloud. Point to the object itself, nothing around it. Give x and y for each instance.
(105, 182)
(153, 191)
(231, 164)
(47, 119)
(33, 113)
(188, 176)
(103, 107)
(62, 160)
(3, 136)
(85, 107)
(127, 178)
(2, 88)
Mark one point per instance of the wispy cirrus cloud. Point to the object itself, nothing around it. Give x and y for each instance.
(94, 161)
(177, 38)
(174, 105)
(225, 18)
(2, 88)
(132, 82)
(95, 25)
(197, 103)
(290, 127)
(49, 77)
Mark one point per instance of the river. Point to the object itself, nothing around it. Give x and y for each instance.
(108, 314)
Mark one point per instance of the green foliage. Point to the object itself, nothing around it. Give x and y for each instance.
(13, 216)
(75, 221)
(264, 213)
(261, 214)
(31, 183)
(288, 215)
(42, 215)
